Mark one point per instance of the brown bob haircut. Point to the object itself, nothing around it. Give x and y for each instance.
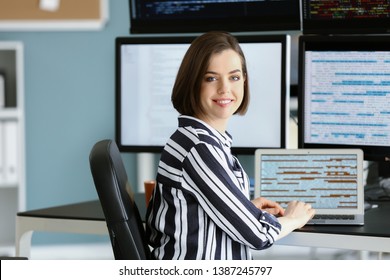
(186, 90)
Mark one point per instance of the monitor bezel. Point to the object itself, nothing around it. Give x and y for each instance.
(344, 25)
(337, 42)
(229, 23)
(283, 39)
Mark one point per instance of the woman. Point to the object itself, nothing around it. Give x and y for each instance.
(200, 208)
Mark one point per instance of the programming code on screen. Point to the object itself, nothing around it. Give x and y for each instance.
(348, 93)
(325, 181)
(360, 9)
(203, 8)
(168, 16)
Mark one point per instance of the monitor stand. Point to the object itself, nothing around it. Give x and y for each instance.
(146, 169)
(378, 181)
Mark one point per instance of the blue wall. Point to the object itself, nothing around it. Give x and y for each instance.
(69, 105)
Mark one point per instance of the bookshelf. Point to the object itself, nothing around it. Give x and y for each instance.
(12, 142)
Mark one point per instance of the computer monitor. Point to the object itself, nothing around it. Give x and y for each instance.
(345, 17)
(146, 68)
(344, 94)
(167, 16)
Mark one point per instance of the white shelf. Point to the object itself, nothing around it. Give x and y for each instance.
(12, 143)
(10, 113)
(8, 186)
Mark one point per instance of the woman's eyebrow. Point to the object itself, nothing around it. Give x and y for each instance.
(215, 73)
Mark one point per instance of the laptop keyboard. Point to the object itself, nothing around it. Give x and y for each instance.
(333, 217)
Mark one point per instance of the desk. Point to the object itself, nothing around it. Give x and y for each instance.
(87, 217)
(373, 236)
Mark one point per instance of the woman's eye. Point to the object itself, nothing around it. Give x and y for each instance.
(210, 79)
(236, 78)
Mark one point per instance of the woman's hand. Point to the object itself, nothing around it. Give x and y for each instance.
(297, 214)
(300, 212)
(267, 205)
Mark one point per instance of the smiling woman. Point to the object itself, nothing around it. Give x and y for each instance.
(185, 94)
(200, 208)
(222, 89)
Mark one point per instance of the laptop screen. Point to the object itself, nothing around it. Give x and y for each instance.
(325, 179)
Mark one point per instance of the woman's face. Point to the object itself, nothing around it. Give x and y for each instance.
(222, 89)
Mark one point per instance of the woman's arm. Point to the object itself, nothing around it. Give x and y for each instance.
(209, 177)
(295, 216)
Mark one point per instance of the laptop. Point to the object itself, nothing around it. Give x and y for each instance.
(331, 180)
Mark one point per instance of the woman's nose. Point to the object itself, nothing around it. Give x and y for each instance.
(224, 87)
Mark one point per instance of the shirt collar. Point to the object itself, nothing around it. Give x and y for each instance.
(225, 138)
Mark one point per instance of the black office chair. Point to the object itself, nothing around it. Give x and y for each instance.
(123, 220)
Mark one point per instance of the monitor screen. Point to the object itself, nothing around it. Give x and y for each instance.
(344, 93)
(336, 17)
(146, 69)
(166, 16)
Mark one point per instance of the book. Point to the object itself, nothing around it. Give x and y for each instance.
(2, 90)
(10, 151)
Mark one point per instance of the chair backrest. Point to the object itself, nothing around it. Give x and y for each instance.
(123, 220)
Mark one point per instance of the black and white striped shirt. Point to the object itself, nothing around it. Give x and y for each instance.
(201, 207)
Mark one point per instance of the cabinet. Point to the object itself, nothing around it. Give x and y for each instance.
(12, 142)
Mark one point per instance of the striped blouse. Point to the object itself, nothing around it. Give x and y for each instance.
(201, 208)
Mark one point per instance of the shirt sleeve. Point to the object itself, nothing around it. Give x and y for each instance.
(208, 174)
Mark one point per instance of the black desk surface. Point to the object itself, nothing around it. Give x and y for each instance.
(89, 210)
(376, 221)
